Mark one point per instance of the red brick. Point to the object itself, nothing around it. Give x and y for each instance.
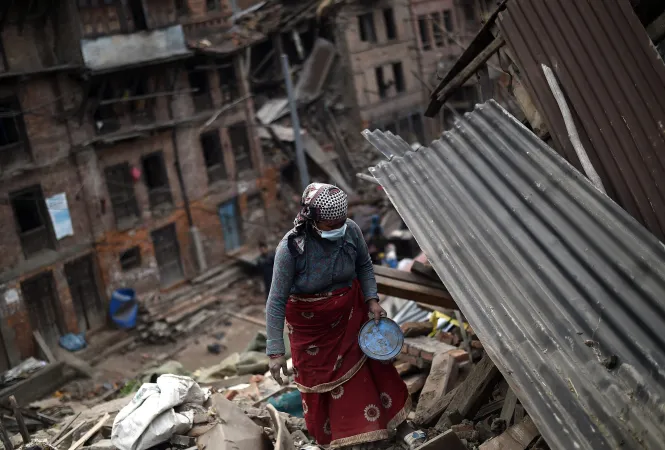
(427, 356)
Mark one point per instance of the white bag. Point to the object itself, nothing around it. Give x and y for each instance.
(150, 419)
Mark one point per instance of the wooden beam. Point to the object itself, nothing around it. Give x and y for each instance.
(439, 298)
(425, 270)
(476, 389)
(41, 343)
(472, 68)
(408, 277)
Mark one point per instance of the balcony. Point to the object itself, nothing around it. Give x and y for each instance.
(143, 47)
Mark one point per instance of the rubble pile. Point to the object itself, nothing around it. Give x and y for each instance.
(164, 318)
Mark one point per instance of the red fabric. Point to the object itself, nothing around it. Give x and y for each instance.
(347, 398)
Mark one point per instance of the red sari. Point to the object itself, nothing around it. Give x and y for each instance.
(348, 399)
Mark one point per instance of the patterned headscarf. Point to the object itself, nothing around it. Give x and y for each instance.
(320, 203)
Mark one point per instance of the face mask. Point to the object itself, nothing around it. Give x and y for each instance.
(334, 235)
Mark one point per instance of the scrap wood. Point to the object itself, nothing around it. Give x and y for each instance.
(508, 406)
(440, 381)
(446, 441)
(517, 437)
(411, 291)
(408, 277)
(475, 389)
(98, 426)
(429, 417)
(4, 437)
(283, 439)
(22, 427)
(425, 270)
(69, 433)
(64, 428)
(41, 343)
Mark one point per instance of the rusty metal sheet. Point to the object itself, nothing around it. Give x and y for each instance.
(613, 80)
(564, 288)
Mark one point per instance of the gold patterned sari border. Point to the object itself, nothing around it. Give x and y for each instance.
(327, 387)
(377, 435)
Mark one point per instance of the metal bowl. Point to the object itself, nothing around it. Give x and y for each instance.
(382, 341)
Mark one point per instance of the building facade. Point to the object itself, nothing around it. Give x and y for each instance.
(127, 159)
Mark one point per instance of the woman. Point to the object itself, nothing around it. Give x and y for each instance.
(324, 285)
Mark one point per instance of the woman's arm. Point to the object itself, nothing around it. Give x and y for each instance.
(364, 267)
(280, 289)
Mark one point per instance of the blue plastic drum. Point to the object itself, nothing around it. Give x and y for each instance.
(124, 308)
(382, 341)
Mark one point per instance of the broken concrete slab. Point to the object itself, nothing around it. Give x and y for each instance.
(445, 441)
(440, 381)
(517, 437)
(414, 383)
(234, 429)
(475, 390)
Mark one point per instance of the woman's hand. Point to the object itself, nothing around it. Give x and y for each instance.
(276, 365)
(376, 309)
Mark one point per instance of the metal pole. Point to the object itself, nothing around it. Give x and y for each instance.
(300, 151)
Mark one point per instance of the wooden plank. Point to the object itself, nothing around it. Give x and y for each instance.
(41, 383)
(519, 413)
(430, 416)
(517, 437)
(446, 441)
(476, 389)
(64, 428)
(4, 437)
(440, 381)
(98, 426)
(418, 293)
(425, 270)
(407, 277)
(509, 407)
(43, 346)
(22, 427)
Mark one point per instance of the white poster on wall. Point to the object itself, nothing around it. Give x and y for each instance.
(59, 212)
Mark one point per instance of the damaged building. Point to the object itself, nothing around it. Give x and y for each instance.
(129, 158)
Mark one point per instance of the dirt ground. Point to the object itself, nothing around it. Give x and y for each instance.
(232, 334)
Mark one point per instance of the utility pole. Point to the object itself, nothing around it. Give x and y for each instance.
(295, 124)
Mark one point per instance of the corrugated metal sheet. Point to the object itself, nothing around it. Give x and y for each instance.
(557, 280)
(613, 80)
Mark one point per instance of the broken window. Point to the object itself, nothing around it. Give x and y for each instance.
(198, 80)
(212, 5)
(424, 33)
(12, 130)
(228, 83)
(157, 181)
(389, 19)
(138, 15)
(437, 29)
(130, 258)
(123, 98)
(213, 156)
(448, 20)
(32, 220)
(380, 82)
(240, 146)
(120, 185)
(366, 27)
(398, 77)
